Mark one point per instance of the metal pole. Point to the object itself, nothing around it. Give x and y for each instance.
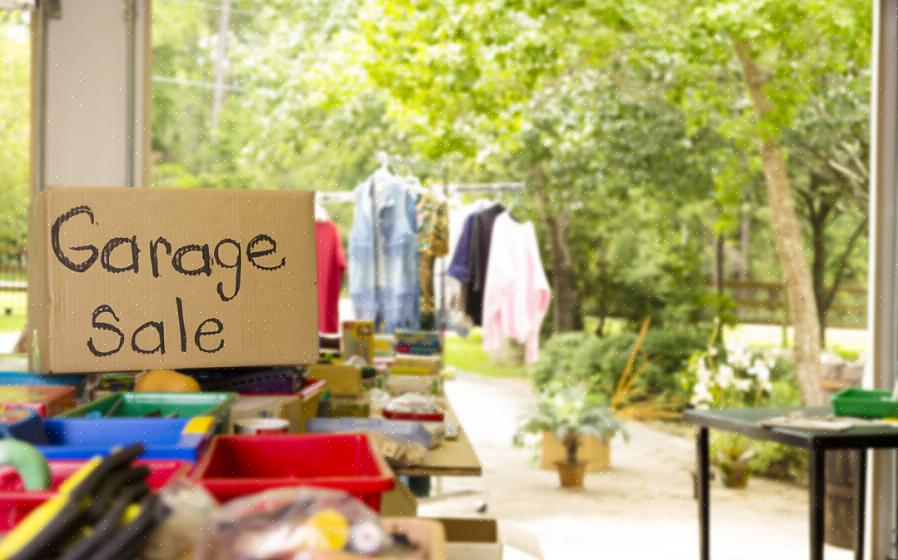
(883, 276)
(39, 83)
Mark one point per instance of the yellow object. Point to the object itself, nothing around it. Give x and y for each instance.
(199, 425)
(333, 528)
(16, 539)
(166, 381)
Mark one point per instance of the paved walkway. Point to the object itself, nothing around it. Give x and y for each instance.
(642, 509)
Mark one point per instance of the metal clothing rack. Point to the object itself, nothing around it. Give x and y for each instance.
(449, 189)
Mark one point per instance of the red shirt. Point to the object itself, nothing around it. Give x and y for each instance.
(331, 266)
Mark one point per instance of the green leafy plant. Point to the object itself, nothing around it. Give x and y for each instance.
(569, 413)
(732, 454)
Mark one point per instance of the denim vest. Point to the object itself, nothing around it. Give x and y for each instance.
(383, 264)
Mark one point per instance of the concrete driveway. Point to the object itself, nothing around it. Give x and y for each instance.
(643, 508)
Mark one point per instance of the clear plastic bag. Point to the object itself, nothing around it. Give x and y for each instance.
(298, 524)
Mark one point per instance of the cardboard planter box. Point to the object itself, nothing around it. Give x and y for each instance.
(141, 278)
(594, 451)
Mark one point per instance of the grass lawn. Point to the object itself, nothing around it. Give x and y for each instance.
(467, 354)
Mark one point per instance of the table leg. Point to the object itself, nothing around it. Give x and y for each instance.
(704, 498)
(816, 488)
(861, 504)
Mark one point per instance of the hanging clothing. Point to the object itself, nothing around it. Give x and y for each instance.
(331, 268)
(458, 267)
(517, 294)
(433, 242)
(383, 254)
(478, 260)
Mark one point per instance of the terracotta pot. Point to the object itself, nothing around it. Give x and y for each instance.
(571, 475)
(735, 475)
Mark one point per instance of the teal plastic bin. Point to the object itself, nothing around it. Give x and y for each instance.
(158, 405)
(865, 403)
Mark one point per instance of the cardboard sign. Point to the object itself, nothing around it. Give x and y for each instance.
(141, 278)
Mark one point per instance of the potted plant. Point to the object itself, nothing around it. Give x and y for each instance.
(732, 456)
(569, 414)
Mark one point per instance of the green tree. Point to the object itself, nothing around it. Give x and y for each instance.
(14, 133)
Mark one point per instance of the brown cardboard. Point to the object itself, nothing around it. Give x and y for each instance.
(341, 379)
(206, 321)
(486, 539)
(288, 407)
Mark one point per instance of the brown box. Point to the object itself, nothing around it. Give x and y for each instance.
(341, 379)
(594, 451)
(46, 400)
(142, 278)
(486, 539)
(288, 407)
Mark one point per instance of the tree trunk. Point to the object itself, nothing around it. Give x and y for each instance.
(818, 267)
(566, 301)
(796, 274)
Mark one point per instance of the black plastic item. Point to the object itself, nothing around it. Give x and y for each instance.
(248, 379)
(130, 539)
(70, 519)
(108, 525)
(111, 489)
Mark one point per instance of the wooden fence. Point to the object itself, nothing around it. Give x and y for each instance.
(765, 303)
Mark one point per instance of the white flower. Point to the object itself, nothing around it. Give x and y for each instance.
(701, 396)
(703, 374)
(725, 376)
(760, 370)
(743, 385)
(738, 356)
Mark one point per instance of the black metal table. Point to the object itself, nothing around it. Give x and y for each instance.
(746, 421)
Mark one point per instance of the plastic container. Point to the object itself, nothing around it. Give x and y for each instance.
(24, 424)
(396, 429)
(16, 502)
(158, 405)
(240, 465)
(248, 380)
(865, 403)
(82, 438)
(16, 378)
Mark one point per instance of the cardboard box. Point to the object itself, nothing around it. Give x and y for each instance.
(399, 501)
(45, 400)
(421, 343)
(486, 539)
(288, 407)
(141, 278)
(341, 379)
(358, 340)
(594, 451)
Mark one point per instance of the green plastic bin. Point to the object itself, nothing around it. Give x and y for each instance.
(865, 403)
(162, 405)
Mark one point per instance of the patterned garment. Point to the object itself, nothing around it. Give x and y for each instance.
(433, 242)
(433, 225)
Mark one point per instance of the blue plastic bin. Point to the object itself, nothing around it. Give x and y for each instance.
(17, 378)
(81, 438)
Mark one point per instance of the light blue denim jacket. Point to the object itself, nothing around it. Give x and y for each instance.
(391, 296)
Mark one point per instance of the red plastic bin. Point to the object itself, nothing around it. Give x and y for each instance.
(241, 465)
(16, 502)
